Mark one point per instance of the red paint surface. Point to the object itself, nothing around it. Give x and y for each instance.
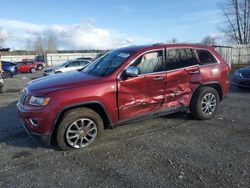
(26, 66)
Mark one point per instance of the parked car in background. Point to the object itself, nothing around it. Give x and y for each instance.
(66, 67)
(85, 58)
(241, 77)
(26, 66)
(39, 64)
(124, 86)
(1, 83)
(10, 69)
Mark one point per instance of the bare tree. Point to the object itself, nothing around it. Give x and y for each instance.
(39, 45)
(51, 43)
(208, 40)
(237, 20)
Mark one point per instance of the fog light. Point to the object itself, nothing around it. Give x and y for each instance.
(34, 122)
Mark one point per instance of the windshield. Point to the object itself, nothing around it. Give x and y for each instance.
(65, 63)
(108, 63)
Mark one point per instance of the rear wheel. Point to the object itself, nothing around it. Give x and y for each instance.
(40, 67)
(205, 103)
(78, 129)
(6, 74)
(32, 70)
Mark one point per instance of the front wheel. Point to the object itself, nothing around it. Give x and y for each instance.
(205, 103)
(40, 67)
(78, 129)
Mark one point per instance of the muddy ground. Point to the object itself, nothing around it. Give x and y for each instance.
(169, 151)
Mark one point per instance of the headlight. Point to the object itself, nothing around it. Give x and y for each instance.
(39, 101)
(238, 74)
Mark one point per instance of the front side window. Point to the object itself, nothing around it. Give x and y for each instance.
(180, 58)
(108, 63)
(150, 62)
(205, 57)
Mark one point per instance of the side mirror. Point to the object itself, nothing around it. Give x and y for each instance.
(132, 71)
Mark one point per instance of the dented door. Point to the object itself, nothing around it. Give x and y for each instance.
(139, 95)
(180, 85)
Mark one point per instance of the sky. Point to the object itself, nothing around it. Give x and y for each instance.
(106, 24)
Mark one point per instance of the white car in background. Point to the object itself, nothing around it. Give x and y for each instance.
(67, 66)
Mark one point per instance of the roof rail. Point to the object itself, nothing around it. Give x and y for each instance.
(157, 44)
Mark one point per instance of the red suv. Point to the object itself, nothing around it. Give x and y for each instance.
(124, 86)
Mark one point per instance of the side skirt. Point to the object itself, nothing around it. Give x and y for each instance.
(150, 115)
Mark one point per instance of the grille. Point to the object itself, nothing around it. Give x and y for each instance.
(22, 98)
(246, 75)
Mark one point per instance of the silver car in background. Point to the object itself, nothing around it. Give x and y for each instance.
(67, 66)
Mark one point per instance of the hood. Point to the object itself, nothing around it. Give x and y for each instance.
(43, 86)
(245, 70)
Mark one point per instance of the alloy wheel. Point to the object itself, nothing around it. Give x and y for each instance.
(81, 133)
(208, 103)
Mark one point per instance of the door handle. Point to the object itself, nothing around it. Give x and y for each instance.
(194, 72)
(158, 78)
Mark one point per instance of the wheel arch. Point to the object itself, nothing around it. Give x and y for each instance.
(96, 106)
(215, 85)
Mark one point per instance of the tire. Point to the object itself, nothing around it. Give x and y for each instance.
(6, 74)
(73, 131)
(204, 103)
(32, 70)
(40, 67)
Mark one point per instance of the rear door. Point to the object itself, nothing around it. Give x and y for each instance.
(183, 77)
(143, 94)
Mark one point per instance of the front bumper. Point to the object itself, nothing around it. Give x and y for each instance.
(42, 130)
(241, 82)
(43, 138)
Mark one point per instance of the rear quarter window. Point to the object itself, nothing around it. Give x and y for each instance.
(206, 57)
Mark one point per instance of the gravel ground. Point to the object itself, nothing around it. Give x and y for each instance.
(169, 151)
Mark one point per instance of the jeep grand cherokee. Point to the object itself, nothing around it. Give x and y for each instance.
(125, 85)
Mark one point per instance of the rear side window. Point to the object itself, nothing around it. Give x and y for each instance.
(73, 64)
(180, 58)
(150, 62)
(205, 57)
(82, 63)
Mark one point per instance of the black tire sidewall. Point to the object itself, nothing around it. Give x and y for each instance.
(40, 67)
(69, 118)
(6, 74)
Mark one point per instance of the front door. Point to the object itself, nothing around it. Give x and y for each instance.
(144, 93)
(183, 77)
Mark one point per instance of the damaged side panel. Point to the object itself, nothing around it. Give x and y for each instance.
(139, 95)
(180, 86)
